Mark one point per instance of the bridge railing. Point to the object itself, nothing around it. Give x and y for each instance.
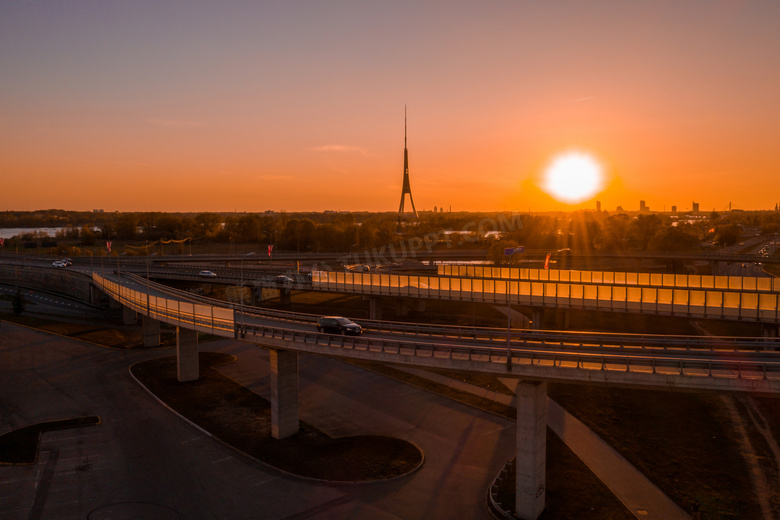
(716, 366)
(660, 280)
(745, 303)
(203, 318)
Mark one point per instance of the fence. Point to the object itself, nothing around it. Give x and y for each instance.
(686, 295)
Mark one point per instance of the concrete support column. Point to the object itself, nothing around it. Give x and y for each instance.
(94, 294)
(187, 365)
(714, 267)
(561, 319)
(531, 449)
(374, 308)
(284, 393)
(536, 318)
(769, 330)
(284, 296)
(151, 332)
(129, 316)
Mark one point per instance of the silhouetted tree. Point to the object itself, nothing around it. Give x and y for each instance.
(727, 234)
(643, 229)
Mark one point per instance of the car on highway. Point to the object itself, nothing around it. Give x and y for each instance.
(283, 280)
(338, 325)
(59, 263)
(207, 274)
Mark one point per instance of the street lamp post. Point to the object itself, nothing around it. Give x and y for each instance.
(511, 252)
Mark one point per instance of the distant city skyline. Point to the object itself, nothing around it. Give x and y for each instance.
(299, 106)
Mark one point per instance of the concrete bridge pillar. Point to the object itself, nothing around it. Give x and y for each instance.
(95, 295)
(284, 296)
(284, 393)
(374, 308)
(151, 332)
(561, 319)
(531, 449)
(129, 316)
(769, 330)
(714, 267)
(187, 365)
(537, 317)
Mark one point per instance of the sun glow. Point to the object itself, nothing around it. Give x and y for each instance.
(573, 177)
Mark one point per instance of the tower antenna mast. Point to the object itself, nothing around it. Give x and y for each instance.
(407, 186)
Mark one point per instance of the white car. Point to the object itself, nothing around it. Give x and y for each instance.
(59, 263)
(207, 274)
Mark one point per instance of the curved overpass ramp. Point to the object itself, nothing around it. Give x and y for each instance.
(648, 361)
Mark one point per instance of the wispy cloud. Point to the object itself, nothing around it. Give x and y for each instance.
(170, 123)
(340, 148)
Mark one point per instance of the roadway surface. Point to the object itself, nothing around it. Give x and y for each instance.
(143, 461)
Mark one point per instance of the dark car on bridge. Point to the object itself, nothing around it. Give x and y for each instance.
(338, 325)
(284, 281)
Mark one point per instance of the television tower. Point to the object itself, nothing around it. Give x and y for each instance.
(407, 187)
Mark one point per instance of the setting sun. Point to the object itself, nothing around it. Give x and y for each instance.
(573, 177)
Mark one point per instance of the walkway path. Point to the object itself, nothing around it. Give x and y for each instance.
(639, 495)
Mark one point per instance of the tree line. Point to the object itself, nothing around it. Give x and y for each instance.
(361, 231)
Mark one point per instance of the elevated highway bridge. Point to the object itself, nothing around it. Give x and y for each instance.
(655, 362)
(535, 357)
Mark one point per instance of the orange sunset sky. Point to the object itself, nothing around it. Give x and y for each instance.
(299, 105)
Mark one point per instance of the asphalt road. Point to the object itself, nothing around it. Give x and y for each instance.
(143, 461)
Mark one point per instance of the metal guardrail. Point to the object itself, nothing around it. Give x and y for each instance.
(204, 318)
(682, 365)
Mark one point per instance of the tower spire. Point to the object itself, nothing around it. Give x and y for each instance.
(406, 187)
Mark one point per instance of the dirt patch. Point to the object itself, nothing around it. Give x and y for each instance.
(242, 419)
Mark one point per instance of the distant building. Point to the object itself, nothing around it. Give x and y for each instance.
(97, 211)
(674, 209)
(643, 207)
(598, 205)
(695, 207)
